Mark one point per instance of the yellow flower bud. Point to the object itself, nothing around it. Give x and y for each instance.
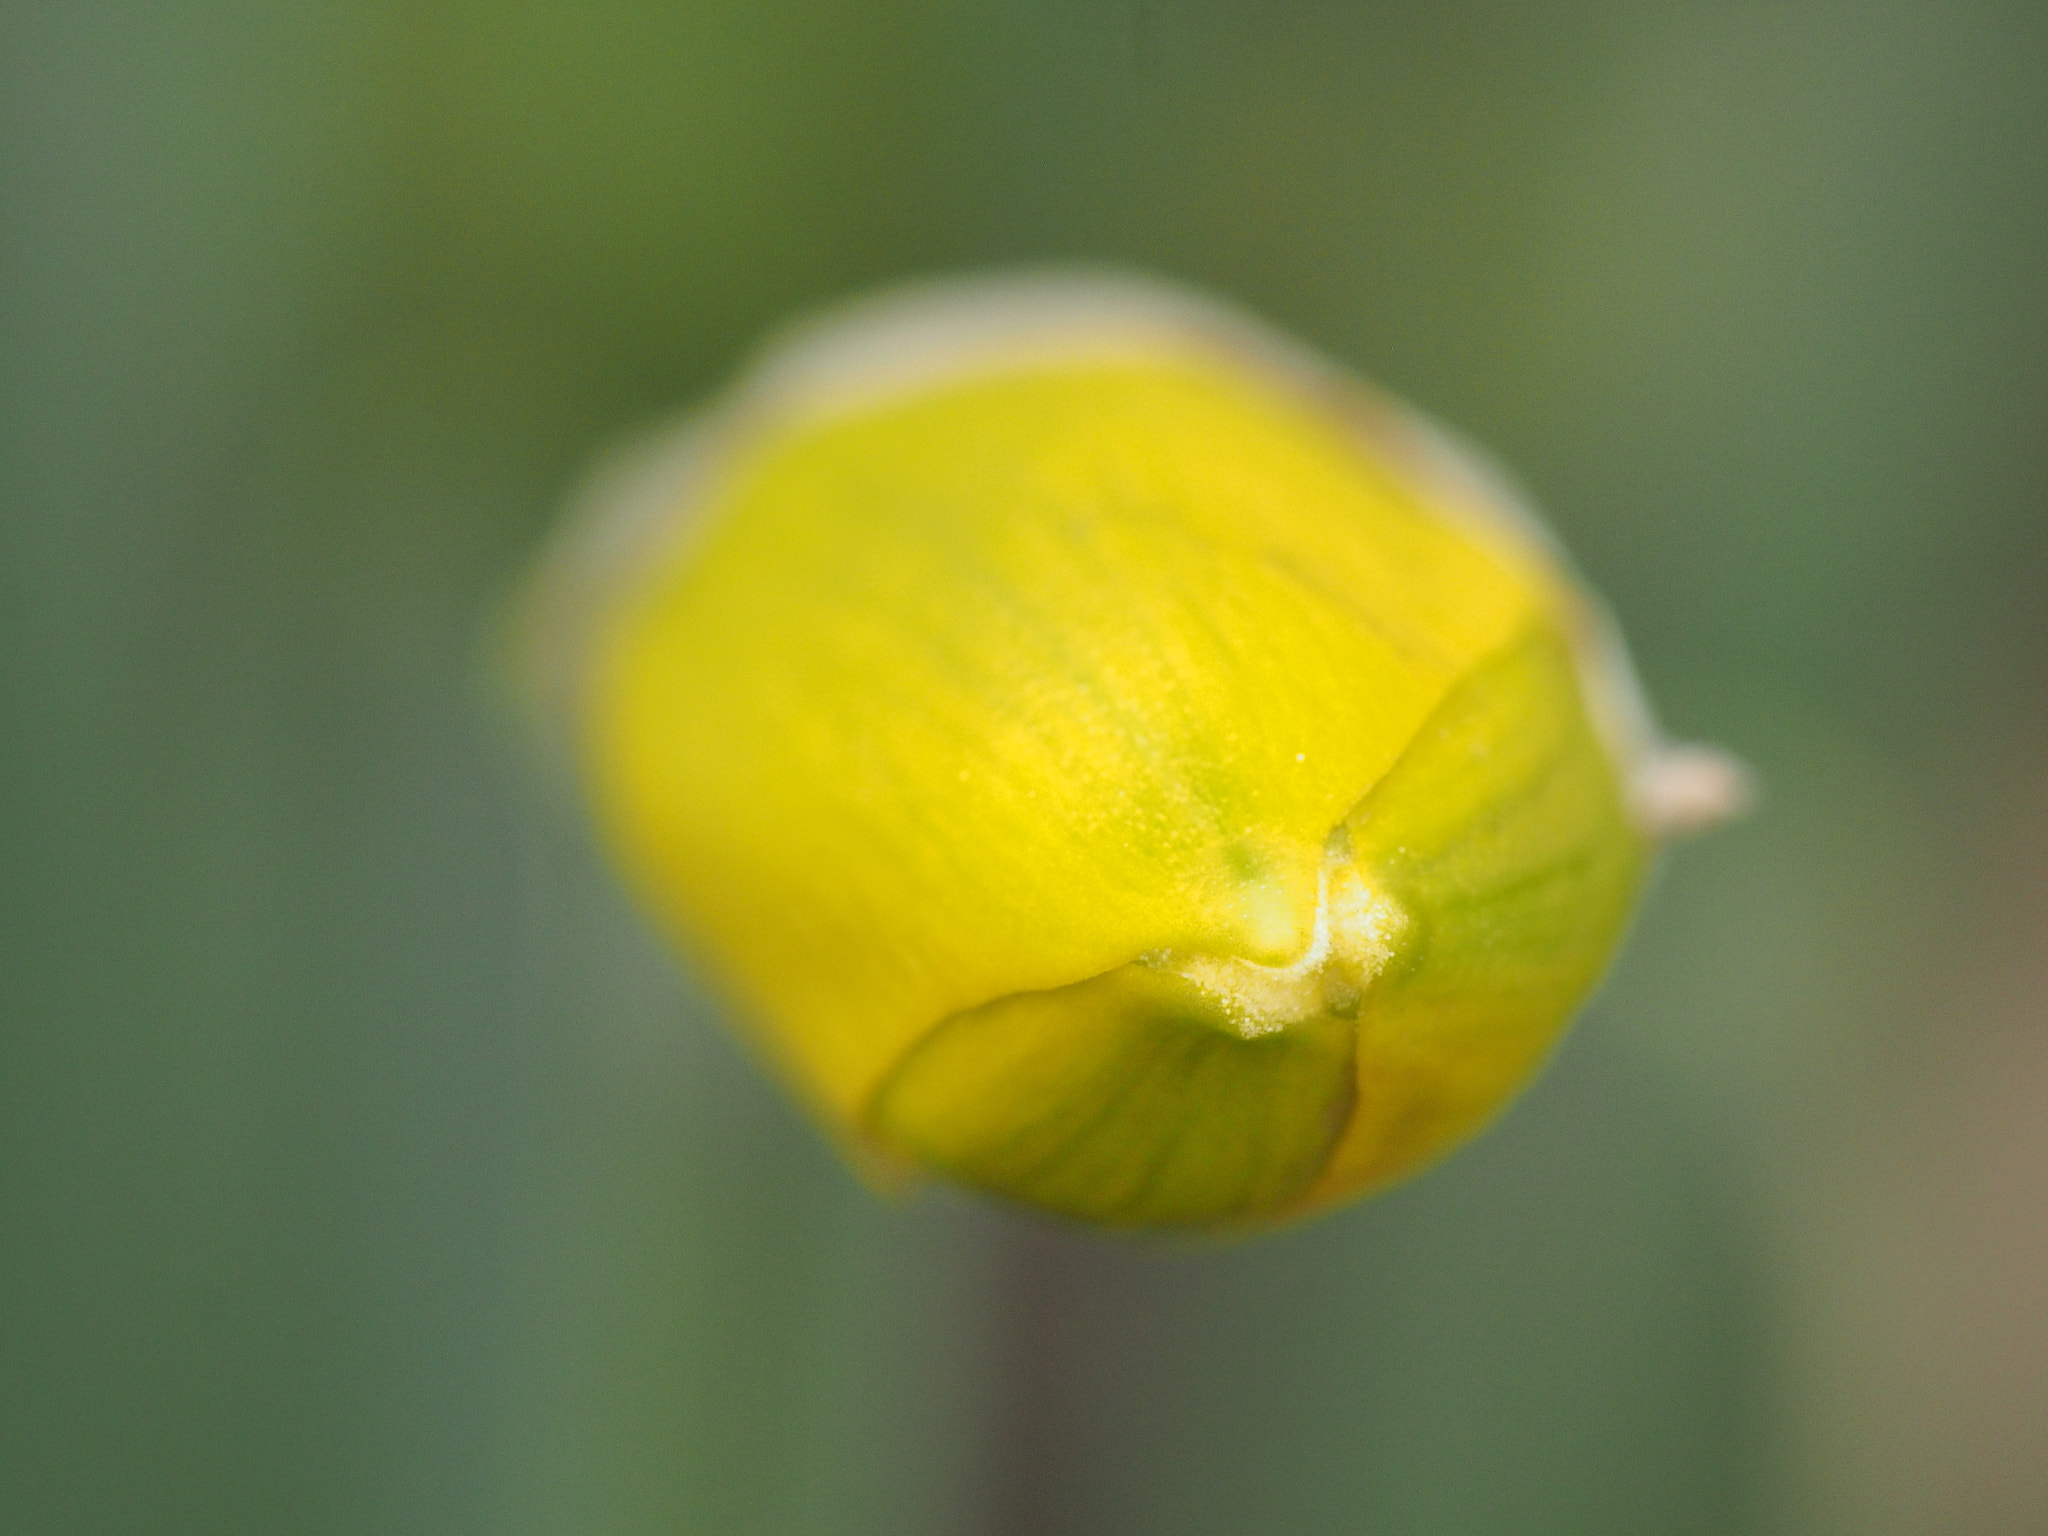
(1106, 755)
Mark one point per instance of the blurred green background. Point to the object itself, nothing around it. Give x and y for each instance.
(365, 1169)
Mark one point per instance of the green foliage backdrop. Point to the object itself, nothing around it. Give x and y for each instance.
(364, 1168)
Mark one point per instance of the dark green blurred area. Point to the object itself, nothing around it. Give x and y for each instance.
(363, 1168)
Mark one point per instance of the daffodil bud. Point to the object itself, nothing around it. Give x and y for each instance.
(1104, 754)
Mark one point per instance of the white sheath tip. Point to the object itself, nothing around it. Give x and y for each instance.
(1683, 788)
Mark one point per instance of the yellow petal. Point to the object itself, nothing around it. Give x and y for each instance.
(1102, 758)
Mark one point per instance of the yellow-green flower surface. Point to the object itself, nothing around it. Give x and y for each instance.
(1107, 758)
